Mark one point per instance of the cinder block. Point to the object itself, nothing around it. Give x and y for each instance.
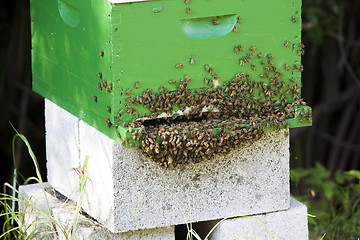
(62, 140)
(251, 180)
(59, 223)
(282, 225)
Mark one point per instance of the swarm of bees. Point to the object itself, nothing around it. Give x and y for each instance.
(194, 141)
(237, 111)
(199, 136)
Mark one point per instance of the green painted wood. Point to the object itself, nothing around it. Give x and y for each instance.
(75, 40)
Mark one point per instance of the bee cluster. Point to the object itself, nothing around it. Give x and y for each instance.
(244, 106)
(179, 143)
(213, 119)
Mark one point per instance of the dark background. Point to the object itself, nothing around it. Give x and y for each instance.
(331, 78)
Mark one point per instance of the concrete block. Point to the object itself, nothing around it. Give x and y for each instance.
(281, 225)
(58, 224)
(37, 220)
(62, 139)
(251, 180)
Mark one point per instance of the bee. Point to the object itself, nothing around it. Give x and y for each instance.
(270, 62)
(242, 62)
(287, 44)
(172, 81)
(235, 29)
(187, 1)
(253, 48)
(188, 10)
(179, 65)
(95, 98)
(306, 111)
(108, 108)
(100, 75)
(125, 124)
(137, 84)
(246, 59)
(240, 48)
(187, 78)
(270, 56)
(118, 134)
(263, 63)
(238, 19)
(216, 77)
(211, 71)
(104, 83)
(215, 22)
(101, 53)
(108, 123)
(206, 81)
(121, 112)
(250, 55)
(301, 52)
(99, 86)
(116, 118)
(116, 126)
(157, 150)
(297, 66)
(260, 55)
(287, 67)
(109, 87)
(127, 105)
(301, 45)
(236, 49)
(302, 120)
(130, 100)
(207, 68)
(294, 19)
(253, 67)
(292, 80)
(170, 160)
(266, 68)
(192, 61)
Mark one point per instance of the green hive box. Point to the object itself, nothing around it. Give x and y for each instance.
(90, 56)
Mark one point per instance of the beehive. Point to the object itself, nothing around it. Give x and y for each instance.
(100, 60)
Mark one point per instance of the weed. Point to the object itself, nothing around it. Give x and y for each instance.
(333, 200)
(32, 218)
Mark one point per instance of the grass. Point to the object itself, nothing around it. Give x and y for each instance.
(34, 218)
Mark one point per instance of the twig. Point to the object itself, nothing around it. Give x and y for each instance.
(341, 130)
(342, 48)
(331, 138)
(354, 133)
(325, 108)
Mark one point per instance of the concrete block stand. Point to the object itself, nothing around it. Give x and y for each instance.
(282, 225)
(251, 180)
(62, 218)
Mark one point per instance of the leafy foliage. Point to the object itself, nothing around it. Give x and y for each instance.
(334, 201)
